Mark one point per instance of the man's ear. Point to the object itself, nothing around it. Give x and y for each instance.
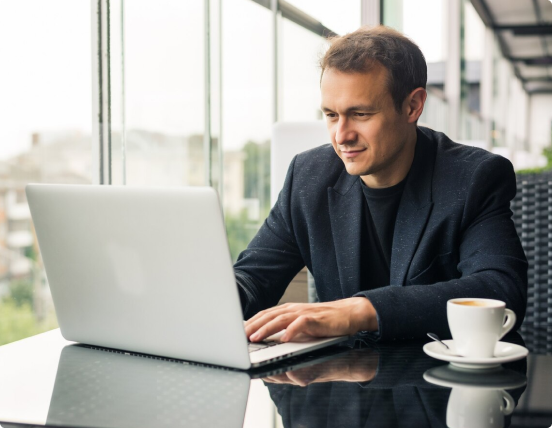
(414, 104)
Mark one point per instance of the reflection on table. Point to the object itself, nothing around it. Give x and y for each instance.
(385, 386)
(359, 384)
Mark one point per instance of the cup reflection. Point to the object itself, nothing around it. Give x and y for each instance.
(478, 398)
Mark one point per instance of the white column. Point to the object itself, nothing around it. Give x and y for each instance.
(486, 88)
(370, 12)
(452, 76)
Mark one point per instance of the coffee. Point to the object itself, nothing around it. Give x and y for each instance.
(471, 303)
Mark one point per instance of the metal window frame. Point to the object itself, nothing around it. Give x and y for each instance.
(101, 92)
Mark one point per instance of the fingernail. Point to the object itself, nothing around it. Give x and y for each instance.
(254, 336)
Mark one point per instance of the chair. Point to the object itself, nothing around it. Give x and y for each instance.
(532, 208)
(288, 139)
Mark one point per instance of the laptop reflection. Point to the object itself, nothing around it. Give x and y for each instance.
(105, 388)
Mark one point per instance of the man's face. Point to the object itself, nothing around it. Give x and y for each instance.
(372, 138)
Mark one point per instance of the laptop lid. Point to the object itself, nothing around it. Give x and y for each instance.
(141, 269)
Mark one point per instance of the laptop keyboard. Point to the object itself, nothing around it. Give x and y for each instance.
(257, 346)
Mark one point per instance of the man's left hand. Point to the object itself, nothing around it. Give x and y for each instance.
(328, 319)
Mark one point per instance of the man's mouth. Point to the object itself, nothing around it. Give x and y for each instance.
(351, 153)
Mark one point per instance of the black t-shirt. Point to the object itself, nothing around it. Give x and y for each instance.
(380, 213)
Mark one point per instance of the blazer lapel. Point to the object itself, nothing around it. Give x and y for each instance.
(345, 205)
(414, 209)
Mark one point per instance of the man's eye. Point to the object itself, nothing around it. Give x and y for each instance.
(331, 115)
(359, 114)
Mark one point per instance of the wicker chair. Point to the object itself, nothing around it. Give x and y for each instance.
(532, 208)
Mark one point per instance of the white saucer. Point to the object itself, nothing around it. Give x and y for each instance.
(504, 353)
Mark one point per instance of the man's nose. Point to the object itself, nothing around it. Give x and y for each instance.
(345, 133)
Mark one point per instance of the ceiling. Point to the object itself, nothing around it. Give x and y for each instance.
(524, 30)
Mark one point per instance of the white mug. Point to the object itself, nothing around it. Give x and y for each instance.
(478, 408)
(478, 324)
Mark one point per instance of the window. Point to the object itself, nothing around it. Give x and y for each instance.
(300, 73)
(46, 94)
(248, 112)
(163, 84)
(164, 63)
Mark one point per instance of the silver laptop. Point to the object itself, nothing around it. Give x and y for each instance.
(147, 270)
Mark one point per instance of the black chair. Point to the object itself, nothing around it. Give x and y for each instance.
(532, 208)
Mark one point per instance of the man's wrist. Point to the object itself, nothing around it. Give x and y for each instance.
(364, 315)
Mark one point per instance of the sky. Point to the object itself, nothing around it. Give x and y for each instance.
(46, 78)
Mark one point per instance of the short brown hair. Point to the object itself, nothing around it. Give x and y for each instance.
(356, 52)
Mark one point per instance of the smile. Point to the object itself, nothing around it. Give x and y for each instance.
(351, 153)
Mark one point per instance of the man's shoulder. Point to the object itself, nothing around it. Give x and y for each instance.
(319, 162)
(324, 153)
(456, 159)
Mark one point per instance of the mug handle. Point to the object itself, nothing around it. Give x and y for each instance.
(510, 320)
(510, 403)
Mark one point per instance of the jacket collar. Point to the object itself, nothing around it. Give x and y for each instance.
(414, 208)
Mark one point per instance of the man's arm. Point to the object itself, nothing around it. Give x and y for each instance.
(272, 259)
(491, 262)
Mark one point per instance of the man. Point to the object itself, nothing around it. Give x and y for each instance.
(392, 220)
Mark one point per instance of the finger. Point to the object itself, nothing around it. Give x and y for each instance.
(297, 379)
(280, 378)
(301, 325)
(277, 324)
(271, 311)
(267, 317)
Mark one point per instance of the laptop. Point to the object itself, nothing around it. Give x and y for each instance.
(147, 270)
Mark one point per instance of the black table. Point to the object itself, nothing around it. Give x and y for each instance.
(45, 380)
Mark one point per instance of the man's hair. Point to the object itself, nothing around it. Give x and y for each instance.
(357, 52)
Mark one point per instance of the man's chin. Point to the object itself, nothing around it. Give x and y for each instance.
(353, 169)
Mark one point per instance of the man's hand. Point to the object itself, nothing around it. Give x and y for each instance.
(339, 318)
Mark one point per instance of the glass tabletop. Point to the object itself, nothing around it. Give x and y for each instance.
(45, 380)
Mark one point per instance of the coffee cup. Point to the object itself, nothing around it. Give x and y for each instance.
(477, 325)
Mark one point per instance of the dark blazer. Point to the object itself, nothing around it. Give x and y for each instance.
(454, 237)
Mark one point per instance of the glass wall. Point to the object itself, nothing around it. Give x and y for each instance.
(160, 90)
(45, 87)
(300, 73)
(341, 19)
(260, 68)
(247, 115)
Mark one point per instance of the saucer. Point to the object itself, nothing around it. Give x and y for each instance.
(504, 353)
(450, 376)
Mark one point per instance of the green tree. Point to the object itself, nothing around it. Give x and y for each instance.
(18, 322)
(21, 292)
(257, 173)
(547, 152)
(240, 231)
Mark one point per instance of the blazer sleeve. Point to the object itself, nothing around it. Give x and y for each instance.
(272, 259)
(492, 263)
